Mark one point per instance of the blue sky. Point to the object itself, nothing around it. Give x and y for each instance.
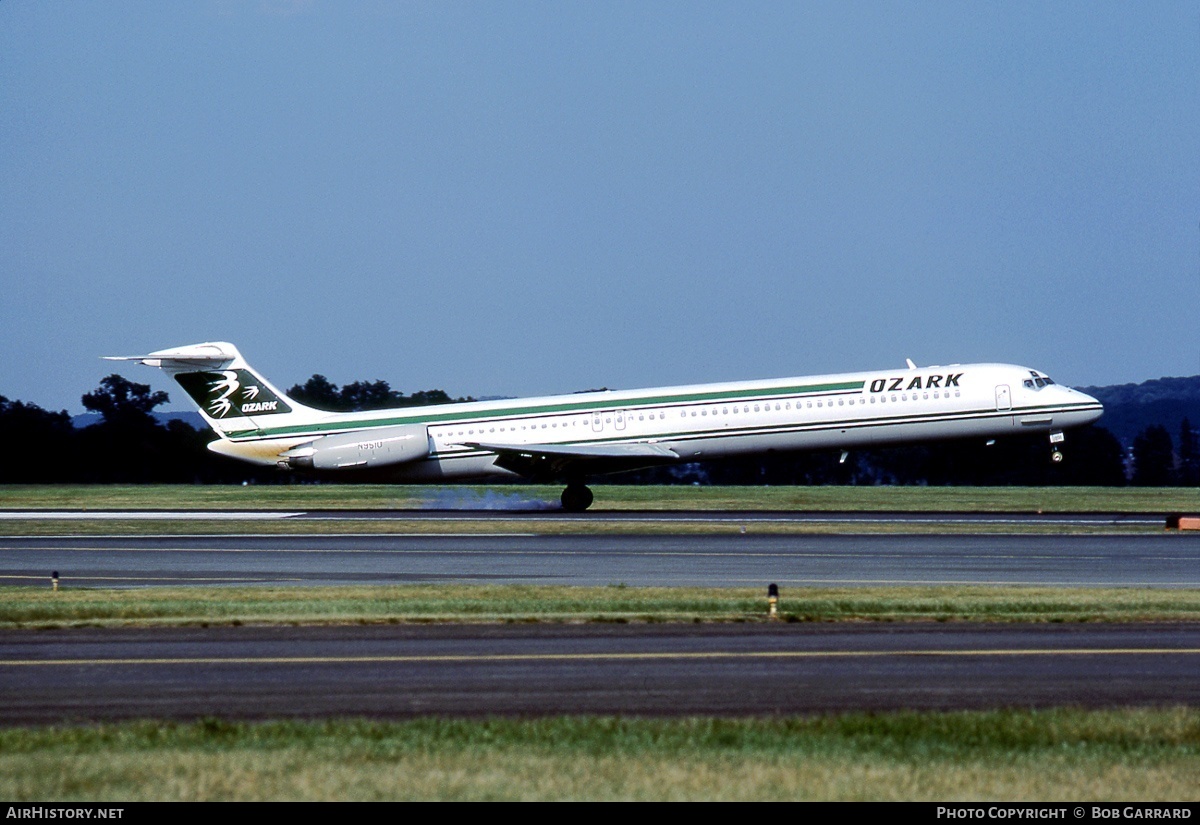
(523, 198)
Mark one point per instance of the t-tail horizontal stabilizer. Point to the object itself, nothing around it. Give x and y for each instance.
(229, 393)
(213, 355)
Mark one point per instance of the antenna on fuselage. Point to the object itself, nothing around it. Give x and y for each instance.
(911, 365)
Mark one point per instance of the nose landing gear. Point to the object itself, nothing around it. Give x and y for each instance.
(1056, 438)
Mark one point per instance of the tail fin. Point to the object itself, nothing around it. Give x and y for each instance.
(231, 396)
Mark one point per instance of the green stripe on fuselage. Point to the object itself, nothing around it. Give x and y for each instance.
(589, 405)
(816, 425)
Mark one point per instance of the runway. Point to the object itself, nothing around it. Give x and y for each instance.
(1157, 559)
(536, 513)
(398, 671)
(72, 676)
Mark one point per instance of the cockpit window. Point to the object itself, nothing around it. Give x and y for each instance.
(1038, 381)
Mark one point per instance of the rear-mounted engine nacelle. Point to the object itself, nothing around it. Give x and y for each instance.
(361, 450)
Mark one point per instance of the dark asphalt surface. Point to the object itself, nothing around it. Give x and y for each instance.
(83, 675)
(534, 513)
(551, 514)
(1158, 559)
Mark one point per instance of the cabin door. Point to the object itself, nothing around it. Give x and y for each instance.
(1003, 397)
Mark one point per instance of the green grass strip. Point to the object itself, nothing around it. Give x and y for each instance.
(1007, 755)
(608, 497)
(26, 607)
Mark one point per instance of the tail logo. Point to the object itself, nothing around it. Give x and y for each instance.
(231, 394)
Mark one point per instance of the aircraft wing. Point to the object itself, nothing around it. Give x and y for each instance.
(557, 460)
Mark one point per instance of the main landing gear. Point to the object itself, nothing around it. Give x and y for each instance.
(577, 497)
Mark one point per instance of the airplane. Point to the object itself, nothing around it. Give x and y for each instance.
(578, 436)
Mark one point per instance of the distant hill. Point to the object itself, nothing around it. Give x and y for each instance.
(1131, 408)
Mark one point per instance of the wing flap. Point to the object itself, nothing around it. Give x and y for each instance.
(549, 460)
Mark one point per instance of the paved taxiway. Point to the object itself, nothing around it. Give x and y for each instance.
(82, 675)
(1157, 559)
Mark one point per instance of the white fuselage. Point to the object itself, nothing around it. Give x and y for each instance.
(709, 421)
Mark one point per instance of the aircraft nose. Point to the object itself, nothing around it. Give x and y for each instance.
(1093, 408)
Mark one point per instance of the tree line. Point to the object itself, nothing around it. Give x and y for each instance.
(130, 444)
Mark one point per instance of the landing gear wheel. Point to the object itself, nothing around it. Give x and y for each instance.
(1056, 456)
(576, 498)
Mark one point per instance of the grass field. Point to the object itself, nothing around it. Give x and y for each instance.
(608, 497)
(1007, 755)
(27, 607)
